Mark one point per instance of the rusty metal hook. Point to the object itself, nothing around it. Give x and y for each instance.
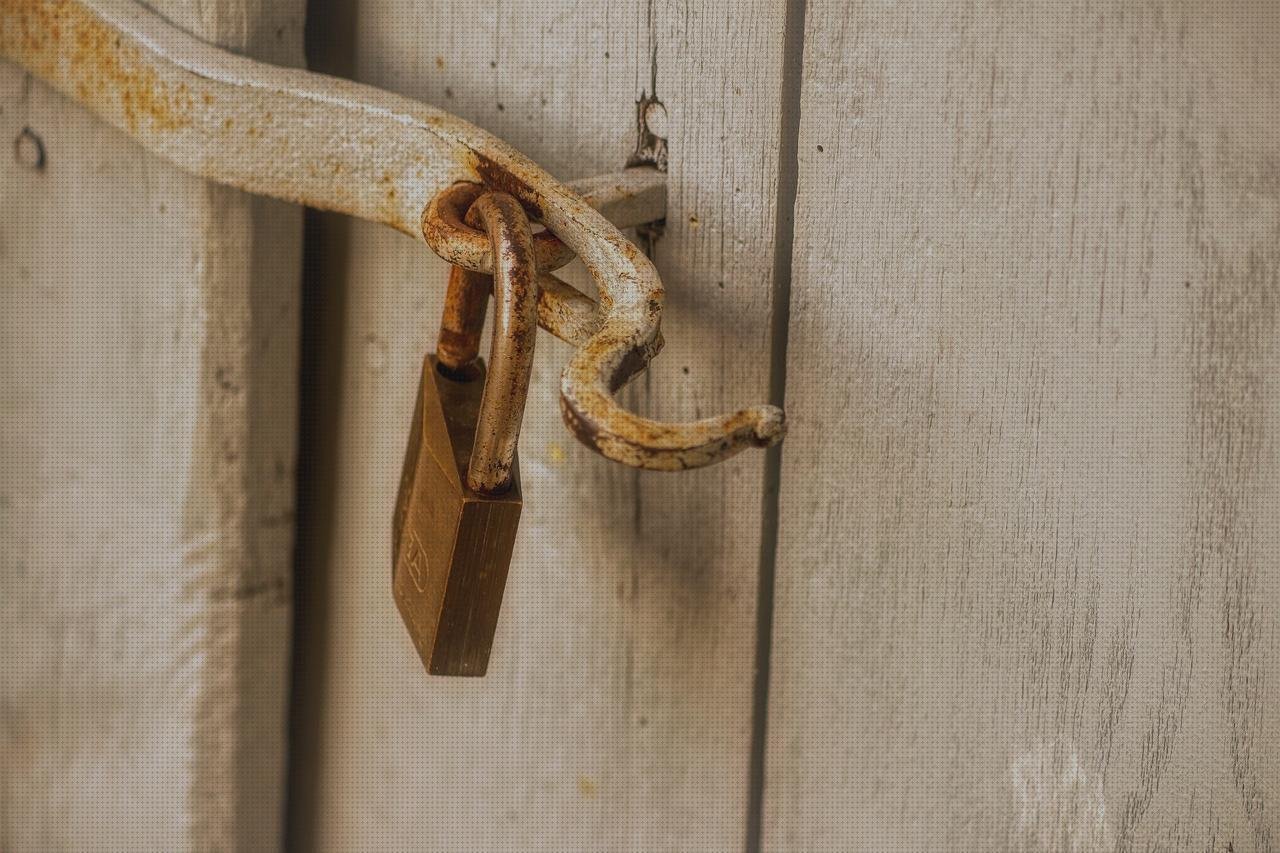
(587, 396)
(342, 146)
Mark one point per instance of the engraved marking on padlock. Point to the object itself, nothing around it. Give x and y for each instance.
(416, 560)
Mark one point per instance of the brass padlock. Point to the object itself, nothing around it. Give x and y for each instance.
(459, 502)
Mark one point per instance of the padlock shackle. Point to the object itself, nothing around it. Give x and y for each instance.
(515, 325)
(466, 301)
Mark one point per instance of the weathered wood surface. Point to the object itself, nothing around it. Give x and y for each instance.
(616, 710)
(147, 369)
(1029, 584)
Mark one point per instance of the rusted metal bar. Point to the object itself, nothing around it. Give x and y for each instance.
(567, 312)
(635, 196)
(339, 145)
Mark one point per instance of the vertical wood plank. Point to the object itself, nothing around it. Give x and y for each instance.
(1029, 585)
(147, 370)
(616, 711)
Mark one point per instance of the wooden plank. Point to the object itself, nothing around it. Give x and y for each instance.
(1028, 591)
(616, 710)
(147, 371)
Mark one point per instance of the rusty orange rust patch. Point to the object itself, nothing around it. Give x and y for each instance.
(74, 49)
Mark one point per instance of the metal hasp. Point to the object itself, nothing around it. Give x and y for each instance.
(338, 145)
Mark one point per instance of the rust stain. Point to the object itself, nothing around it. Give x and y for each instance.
(499, 177)
(463, 244)
(66, 43)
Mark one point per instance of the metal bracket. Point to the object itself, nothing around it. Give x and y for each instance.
(338, 145)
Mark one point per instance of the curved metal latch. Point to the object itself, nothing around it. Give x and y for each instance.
(342, 146)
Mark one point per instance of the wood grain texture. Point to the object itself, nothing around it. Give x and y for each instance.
(147, 367)
(616, 709)
(1029, 577)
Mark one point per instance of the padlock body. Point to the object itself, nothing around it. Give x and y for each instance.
(451, 545)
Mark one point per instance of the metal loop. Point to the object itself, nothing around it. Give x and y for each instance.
(447, 232)
(515, 329)
(563, 310)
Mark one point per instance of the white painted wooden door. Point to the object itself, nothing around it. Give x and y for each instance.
(1029, 561)
(1012, 582)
